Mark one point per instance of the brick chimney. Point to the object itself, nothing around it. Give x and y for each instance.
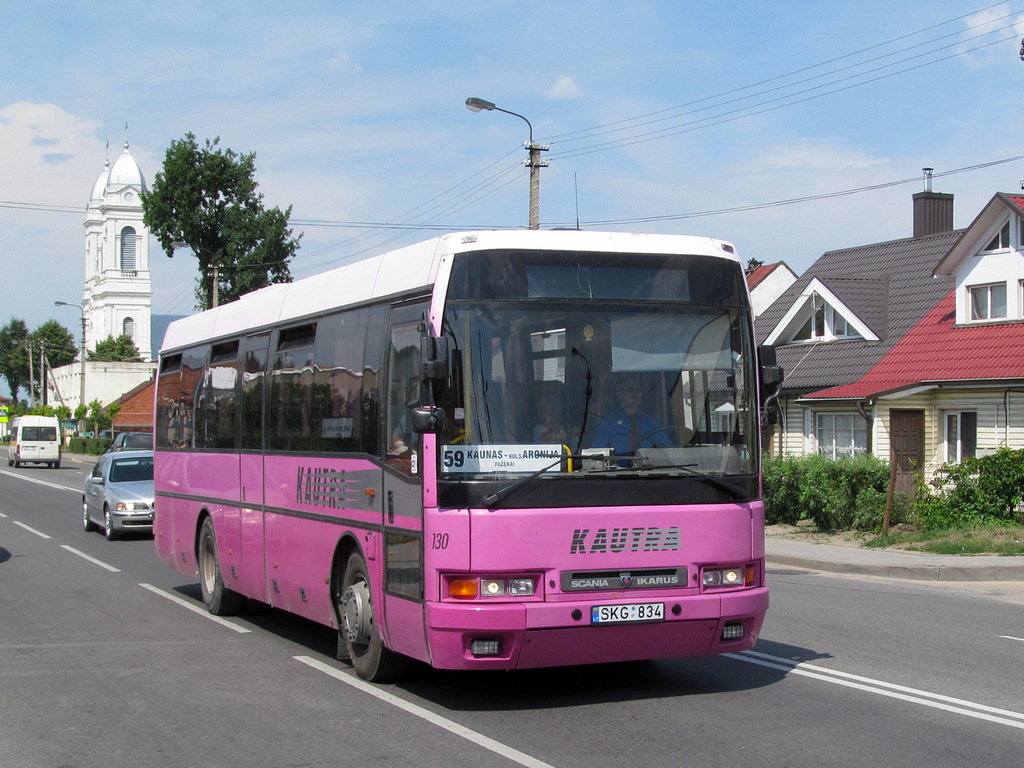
(933, 211)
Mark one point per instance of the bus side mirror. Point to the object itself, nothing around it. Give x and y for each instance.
(434, 354)
(427, 420)
(771, 372)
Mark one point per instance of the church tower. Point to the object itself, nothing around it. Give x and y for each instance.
(118, 289)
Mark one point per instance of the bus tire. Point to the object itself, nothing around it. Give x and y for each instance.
(218, 599)
(358, 627)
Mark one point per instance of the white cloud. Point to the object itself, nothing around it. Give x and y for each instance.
(565, 88)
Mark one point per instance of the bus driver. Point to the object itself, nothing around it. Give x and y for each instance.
(628, 427)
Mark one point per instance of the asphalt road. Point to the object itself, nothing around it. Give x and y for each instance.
(107, 659)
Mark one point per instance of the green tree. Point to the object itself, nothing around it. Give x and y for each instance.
(206, 198)
(14, 356)
(58, 345)
(121, 349)
(56, 341)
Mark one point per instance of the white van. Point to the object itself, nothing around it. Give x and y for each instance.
(34, 439)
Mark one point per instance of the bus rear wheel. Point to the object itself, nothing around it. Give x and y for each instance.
(219, 600)
(358, 627)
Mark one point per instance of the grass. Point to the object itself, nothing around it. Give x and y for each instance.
(980, 540)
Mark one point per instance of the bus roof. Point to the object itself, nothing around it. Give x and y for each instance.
(406, 270)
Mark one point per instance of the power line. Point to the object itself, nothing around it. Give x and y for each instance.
(796, 200)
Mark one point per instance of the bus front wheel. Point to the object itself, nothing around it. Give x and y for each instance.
(359, 635)
(219, 600)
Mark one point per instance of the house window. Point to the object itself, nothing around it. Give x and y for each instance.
(128, 249)
(841, 434)
(961, 436)
(825, 323)
(1001, 241)
(988, 302)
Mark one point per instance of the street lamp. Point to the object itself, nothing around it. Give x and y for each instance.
(81, 396)
(534, 163)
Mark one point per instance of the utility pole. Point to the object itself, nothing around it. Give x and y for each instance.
(31, 376)
(534, 162)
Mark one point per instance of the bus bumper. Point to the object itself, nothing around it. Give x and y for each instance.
(551, 634)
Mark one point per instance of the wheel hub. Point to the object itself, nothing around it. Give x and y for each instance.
(357, 613)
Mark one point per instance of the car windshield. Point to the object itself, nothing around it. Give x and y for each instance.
(40, 434)
(132, 470)
(137, 441)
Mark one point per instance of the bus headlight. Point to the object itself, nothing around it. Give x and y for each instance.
(521, 587)
(465, 587)
(728, 577)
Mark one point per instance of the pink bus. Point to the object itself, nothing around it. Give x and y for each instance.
(490, 450)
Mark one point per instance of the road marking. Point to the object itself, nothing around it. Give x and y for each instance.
(30, 529)
(196, 609)
(1011, 637)
(882, 688)
(520, 758)
(93, 560)
(40, 482)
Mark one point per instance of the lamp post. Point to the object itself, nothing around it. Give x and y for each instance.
(534, 163)
(81, 396)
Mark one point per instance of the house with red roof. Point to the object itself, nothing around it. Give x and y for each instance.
(953, 386)
(767, 282)
(841, 317)
(949, 385)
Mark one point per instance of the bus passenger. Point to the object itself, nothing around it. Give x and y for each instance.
(551, 429)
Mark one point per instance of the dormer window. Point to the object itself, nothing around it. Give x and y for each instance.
(1001, 241)
(988, 302)
(825, 323)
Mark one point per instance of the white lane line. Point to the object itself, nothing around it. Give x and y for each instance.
(520, 758)
(41, 482)
(882, 688)
(1011, 637)
(196, 609)
(30, 529)
(92, 560)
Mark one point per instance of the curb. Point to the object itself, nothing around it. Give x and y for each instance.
(913, 572)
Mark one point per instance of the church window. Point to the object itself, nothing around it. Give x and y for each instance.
(128, 249)
(128, 328)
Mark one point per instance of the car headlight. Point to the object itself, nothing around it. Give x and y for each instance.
(131, 506)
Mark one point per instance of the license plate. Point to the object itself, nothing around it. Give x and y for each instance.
(625, 614)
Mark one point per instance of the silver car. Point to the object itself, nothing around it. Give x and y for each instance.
(118, 494)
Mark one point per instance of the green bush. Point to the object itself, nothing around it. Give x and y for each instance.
(89, 446)
(977, 491)
(782, 478)
(844, 494)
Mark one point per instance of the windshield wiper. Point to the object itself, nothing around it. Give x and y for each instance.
(736, 491)
(493, 498)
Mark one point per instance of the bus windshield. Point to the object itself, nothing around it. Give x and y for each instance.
(656, 379)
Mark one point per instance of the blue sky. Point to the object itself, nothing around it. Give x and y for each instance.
(663, 116)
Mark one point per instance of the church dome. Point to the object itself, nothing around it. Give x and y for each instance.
(126, 172)
(99, 189)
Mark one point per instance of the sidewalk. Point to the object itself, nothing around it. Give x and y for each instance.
(892, 563)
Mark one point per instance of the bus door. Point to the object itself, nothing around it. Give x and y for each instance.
(403, 485)
(252, 413)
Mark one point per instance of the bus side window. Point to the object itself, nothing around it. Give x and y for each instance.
(254, 366)
(404, 379)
